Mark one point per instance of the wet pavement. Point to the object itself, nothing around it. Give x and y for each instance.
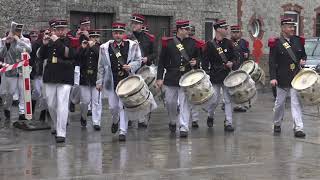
(251, 152)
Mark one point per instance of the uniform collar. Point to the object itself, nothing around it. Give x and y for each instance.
(116, 45)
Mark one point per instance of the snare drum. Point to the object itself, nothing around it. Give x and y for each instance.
(252, 69)
(149, 74)
(240, 86)
(133, 92)
(197, 86)
(307, 83)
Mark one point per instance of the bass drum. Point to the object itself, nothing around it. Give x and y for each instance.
(307, 83)
(240, 86)
(197, 86)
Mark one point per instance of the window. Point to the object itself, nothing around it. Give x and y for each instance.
(296, 18)
(209, 30)
(318, 25)
(255, 28)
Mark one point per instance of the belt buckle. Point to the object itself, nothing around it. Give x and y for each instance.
(89, 71)
(182, 68)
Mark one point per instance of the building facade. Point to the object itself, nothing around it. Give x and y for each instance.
(259, 19)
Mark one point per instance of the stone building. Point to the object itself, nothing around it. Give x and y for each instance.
(258, 18)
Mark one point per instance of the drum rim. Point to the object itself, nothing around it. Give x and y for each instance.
(233, 72)
(134, 90)
(190, 72)
(304, 70)
(135, 106)
(249, 61)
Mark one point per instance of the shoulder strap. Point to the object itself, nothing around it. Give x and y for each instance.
(287, 46)
(181, 49)
(220, 51)
(118, 55)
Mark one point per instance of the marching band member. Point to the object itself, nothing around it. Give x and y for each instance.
(219, 56)
(88, 56)
(118, 58)
(36, 74)
(287, 55)
(241, 51)
(11, 48)
(179, 55)
(146, 43)
(195, 112)
(58, 76)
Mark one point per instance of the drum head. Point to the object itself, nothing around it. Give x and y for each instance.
(304, 79)
(144, 71)
(235, 78)
(191, 78)
(129, 85)
(248, 66)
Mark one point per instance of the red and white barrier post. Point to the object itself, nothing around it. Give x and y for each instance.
(26, 85)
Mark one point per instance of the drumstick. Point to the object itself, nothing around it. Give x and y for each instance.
(99, 95)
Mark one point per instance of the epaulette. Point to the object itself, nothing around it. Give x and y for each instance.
(74, 42)
(272, 41)
(199, 43)
(150, 36)
(164, 41)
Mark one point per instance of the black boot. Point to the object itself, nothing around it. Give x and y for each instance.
(114, 127)
(172, 128)
(33, 106)
(43, 115)
(71, 107)
(130, 123)
(210, 121)
(83, 122)
(195, 124)
(89, 113)
(142, 125)
(22, 117)
(60, 139)
(122, 137)
(7, 114)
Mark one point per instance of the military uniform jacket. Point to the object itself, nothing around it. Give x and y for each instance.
(240, 47)
(35, 62)
(281, 66)
(146, 43)
(109, 66)
(62, 71)
(88, 63)
(212, 62)
(171, 60)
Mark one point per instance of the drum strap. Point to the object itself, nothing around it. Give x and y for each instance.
(181, 49)
(134, 38)
(220, 51)
(287, 46)
(118, 55)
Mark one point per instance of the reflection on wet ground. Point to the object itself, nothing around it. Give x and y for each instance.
(251, 152)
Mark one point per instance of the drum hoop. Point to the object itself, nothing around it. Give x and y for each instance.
(141, 102)
(135, 91)
(233, 72)
(190, 72)
(252, 69)
(301, 72)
